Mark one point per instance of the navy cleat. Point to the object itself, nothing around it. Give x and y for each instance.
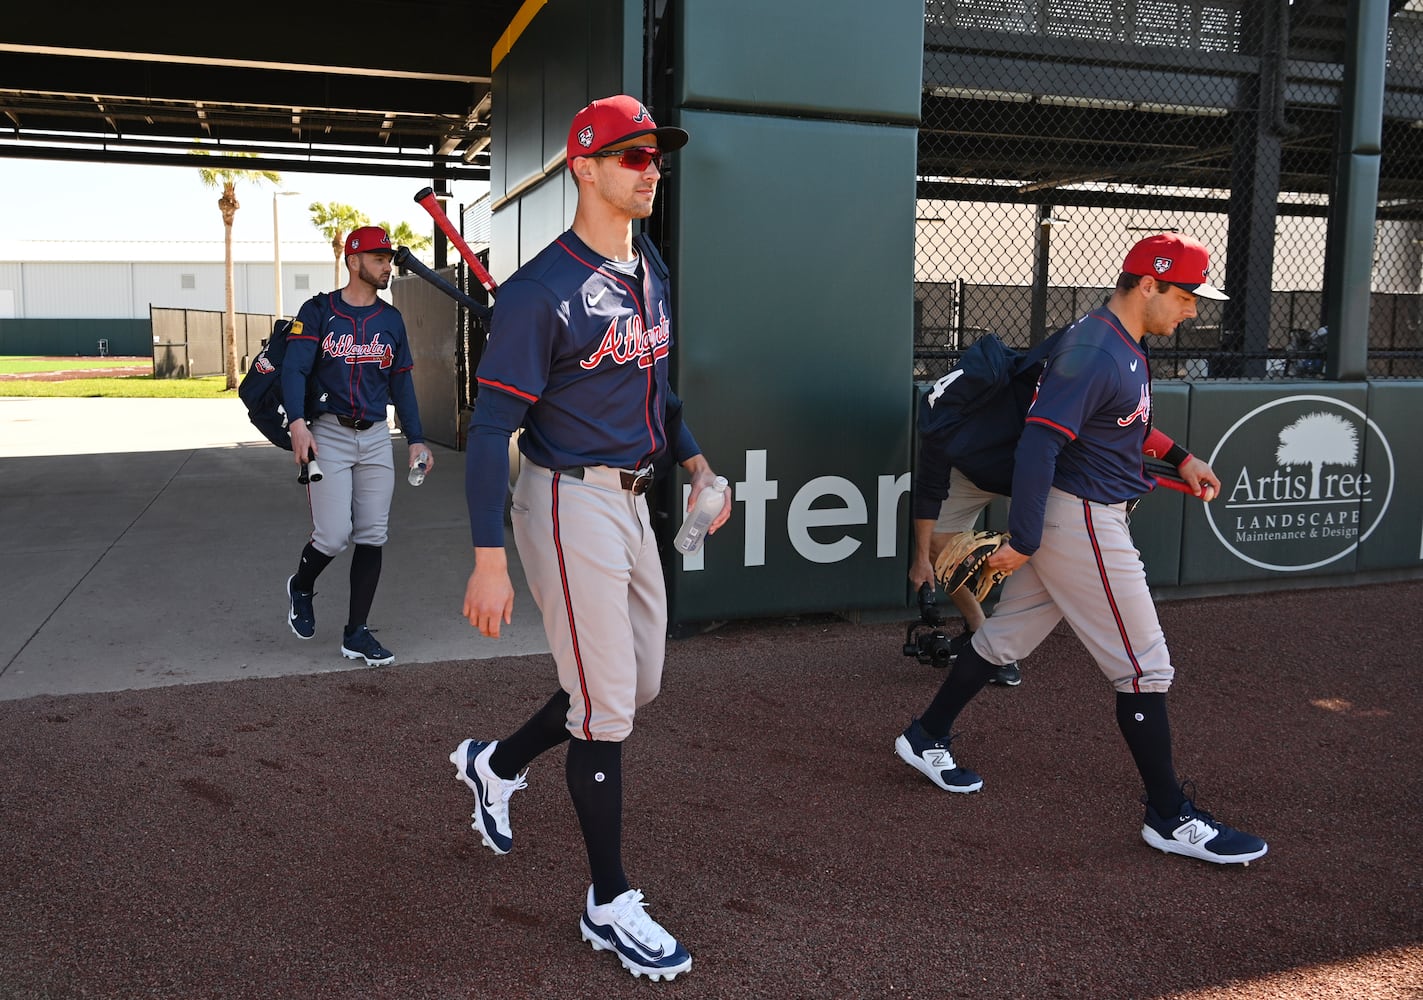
(1195, 833)
(931, 758)
(641, 943)
(301, 616)
(360, 644)
(491, 816)
(1008, 675)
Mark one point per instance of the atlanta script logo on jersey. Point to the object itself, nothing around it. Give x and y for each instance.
(632, 342)
(1142, 411)
(345, 346)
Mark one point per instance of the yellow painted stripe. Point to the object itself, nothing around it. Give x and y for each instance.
(515, 29)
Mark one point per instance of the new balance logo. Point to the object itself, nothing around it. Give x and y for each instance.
(1194, 832)
(940, 760)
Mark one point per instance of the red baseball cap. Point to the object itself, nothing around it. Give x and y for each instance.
(1174, 258)
(368, 239)
(611, 120)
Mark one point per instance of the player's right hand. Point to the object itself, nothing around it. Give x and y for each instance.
(303, 444)
(489, 595)
(921, 571)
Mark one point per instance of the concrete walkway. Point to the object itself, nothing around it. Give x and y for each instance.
(148, 541)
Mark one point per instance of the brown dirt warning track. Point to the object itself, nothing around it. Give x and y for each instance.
(304, 837)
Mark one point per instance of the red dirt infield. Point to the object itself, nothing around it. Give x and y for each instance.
(305, 837)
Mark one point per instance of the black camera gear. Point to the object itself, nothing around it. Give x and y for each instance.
(925, 639)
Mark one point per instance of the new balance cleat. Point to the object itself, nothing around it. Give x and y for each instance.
(360, 644)
(491, 815)
(1008, 675)
(1195, 833)
(301, 616)
(641, 943)
(931, 758)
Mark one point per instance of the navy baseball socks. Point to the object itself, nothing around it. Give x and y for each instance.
(620, 924)
(1173, 824)
(301, 588)
(929, 754)
(1008, 675)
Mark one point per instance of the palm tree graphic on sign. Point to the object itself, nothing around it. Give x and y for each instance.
(1317, 440)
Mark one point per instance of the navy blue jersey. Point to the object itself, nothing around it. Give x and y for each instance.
(577, 355)
(583, 341)
(1087, 425)
(358, 356)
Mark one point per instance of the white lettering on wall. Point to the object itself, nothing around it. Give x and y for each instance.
(756, 491)
(802, 518)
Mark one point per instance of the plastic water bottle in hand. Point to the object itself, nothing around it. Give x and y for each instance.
(694, 529)
(417, 473)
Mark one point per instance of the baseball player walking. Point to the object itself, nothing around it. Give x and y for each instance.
(577, 356)
(1078, 470)
(352, 344)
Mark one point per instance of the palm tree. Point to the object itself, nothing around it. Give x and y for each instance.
(1317, 440)
(335, 220)
(227, 179)
(402, 235)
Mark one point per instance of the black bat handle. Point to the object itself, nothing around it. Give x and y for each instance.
(404, 258)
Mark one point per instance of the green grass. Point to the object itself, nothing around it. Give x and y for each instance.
(131, 387)
(23, 365)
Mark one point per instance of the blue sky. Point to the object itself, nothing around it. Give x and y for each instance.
(52, 199)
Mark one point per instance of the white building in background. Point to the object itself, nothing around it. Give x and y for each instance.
(74, 279)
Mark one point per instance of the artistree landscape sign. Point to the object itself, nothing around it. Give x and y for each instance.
(1295, 491)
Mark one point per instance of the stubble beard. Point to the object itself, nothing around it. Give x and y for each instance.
(378, 282)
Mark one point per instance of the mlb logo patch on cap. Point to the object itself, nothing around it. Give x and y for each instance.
(1174, 258)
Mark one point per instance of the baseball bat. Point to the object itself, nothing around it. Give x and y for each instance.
(404, 258)
(1167, 475)
(426, 199)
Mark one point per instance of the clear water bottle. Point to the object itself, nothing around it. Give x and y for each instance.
(417, 473)
(694, 529)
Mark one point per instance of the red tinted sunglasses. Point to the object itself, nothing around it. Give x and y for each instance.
(634, 157)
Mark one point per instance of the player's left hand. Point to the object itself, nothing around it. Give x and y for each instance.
(419, 453)
(1200, 478)
(702, 477)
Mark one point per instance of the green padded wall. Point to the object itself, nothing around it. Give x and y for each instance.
(794, 312)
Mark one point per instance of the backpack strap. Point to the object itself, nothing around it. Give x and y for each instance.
(650, 253)
(1038, 352)
(315, 398)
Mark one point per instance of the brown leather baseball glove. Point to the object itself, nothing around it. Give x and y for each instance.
(964, 563)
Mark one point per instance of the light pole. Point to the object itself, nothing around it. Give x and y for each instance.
(277, 255)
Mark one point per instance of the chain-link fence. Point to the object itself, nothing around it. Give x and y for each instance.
(1056, 133)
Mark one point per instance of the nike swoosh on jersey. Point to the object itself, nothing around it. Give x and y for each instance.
(1133, 365)
(595, 296)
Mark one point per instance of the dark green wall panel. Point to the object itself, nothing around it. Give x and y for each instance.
(1396, 478)
(79, 337)
(793, 352)
(834, 59)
